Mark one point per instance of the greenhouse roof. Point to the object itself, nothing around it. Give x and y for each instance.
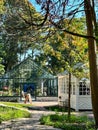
(28, 69)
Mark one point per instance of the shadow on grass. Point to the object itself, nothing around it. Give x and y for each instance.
(58, 108)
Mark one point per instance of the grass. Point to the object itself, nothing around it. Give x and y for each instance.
(13, 111)
(57, 120)
(65, 123)
(18, 105)
(58, 108)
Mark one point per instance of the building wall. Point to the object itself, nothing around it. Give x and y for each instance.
(78, 100)
(84, 102)
(62, 90)
(73, 101)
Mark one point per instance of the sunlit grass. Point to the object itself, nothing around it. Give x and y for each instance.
(13, 111)
(7, 113)
(19, 105)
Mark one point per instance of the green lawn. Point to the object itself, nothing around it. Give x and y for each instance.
(18, 105)
(13, 111)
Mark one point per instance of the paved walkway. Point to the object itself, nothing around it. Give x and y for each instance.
(33, 123)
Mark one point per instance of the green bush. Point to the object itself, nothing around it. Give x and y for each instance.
(64, 118)
(58, 108)
(69, 126)
(90, 125)
(65, 123)
(46, 120)
(77, 119)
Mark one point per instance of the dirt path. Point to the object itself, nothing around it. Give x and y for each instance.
(26, 124)
(37, 110)
(30, 123)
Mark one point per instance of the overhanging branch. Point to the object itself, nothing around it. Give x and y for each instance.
(72, 33)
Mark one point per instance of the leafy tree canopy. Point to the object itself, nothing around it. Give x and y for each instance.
(16, 35)
(60, 47)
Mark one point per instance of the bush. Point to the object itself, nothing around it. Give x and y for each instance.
(90, 125)
(46, 120)
(65, 123)
(58, 108)
(64, 118)
(69, 126)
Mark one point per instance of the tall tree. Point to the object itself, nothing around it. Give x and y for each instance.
(64, 52)
(57, 11)
(16, 35)
(91, 25)
(55, 50)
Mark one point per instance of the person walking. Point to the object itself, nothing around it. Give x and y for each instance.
(25, 94)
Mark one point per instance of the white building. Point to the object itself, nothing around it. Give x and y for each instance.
(80, 92)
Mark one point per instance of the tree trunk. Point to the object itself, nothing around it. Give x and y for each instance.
(92, 60)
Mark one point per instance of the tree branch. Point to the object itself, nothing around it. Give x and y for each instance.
(72, 33)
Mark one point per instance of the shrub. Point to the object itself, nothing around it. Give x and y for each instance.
(58, 108)
(46, 120)
(65, 123)
(90, 125)
(69, 126)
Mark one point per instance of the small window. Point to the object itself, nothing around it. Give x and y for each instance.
(83, 89)
(63, 89)
(67, 89)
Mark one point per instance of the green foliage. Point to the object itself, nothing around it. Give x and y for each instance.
(62, 51)
(58, 109)
(1, 6)
(63, 122)
(46, 120)
(1, 68)
(90, 125)
(18, 105)
(69, 126)
(16, 35)
(65, 119)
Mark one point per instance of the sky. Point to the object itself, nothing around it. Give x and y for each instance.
(38, 8)
(33, 2)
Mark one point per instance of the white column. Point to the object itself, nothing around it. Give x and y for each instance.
(77, 95)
